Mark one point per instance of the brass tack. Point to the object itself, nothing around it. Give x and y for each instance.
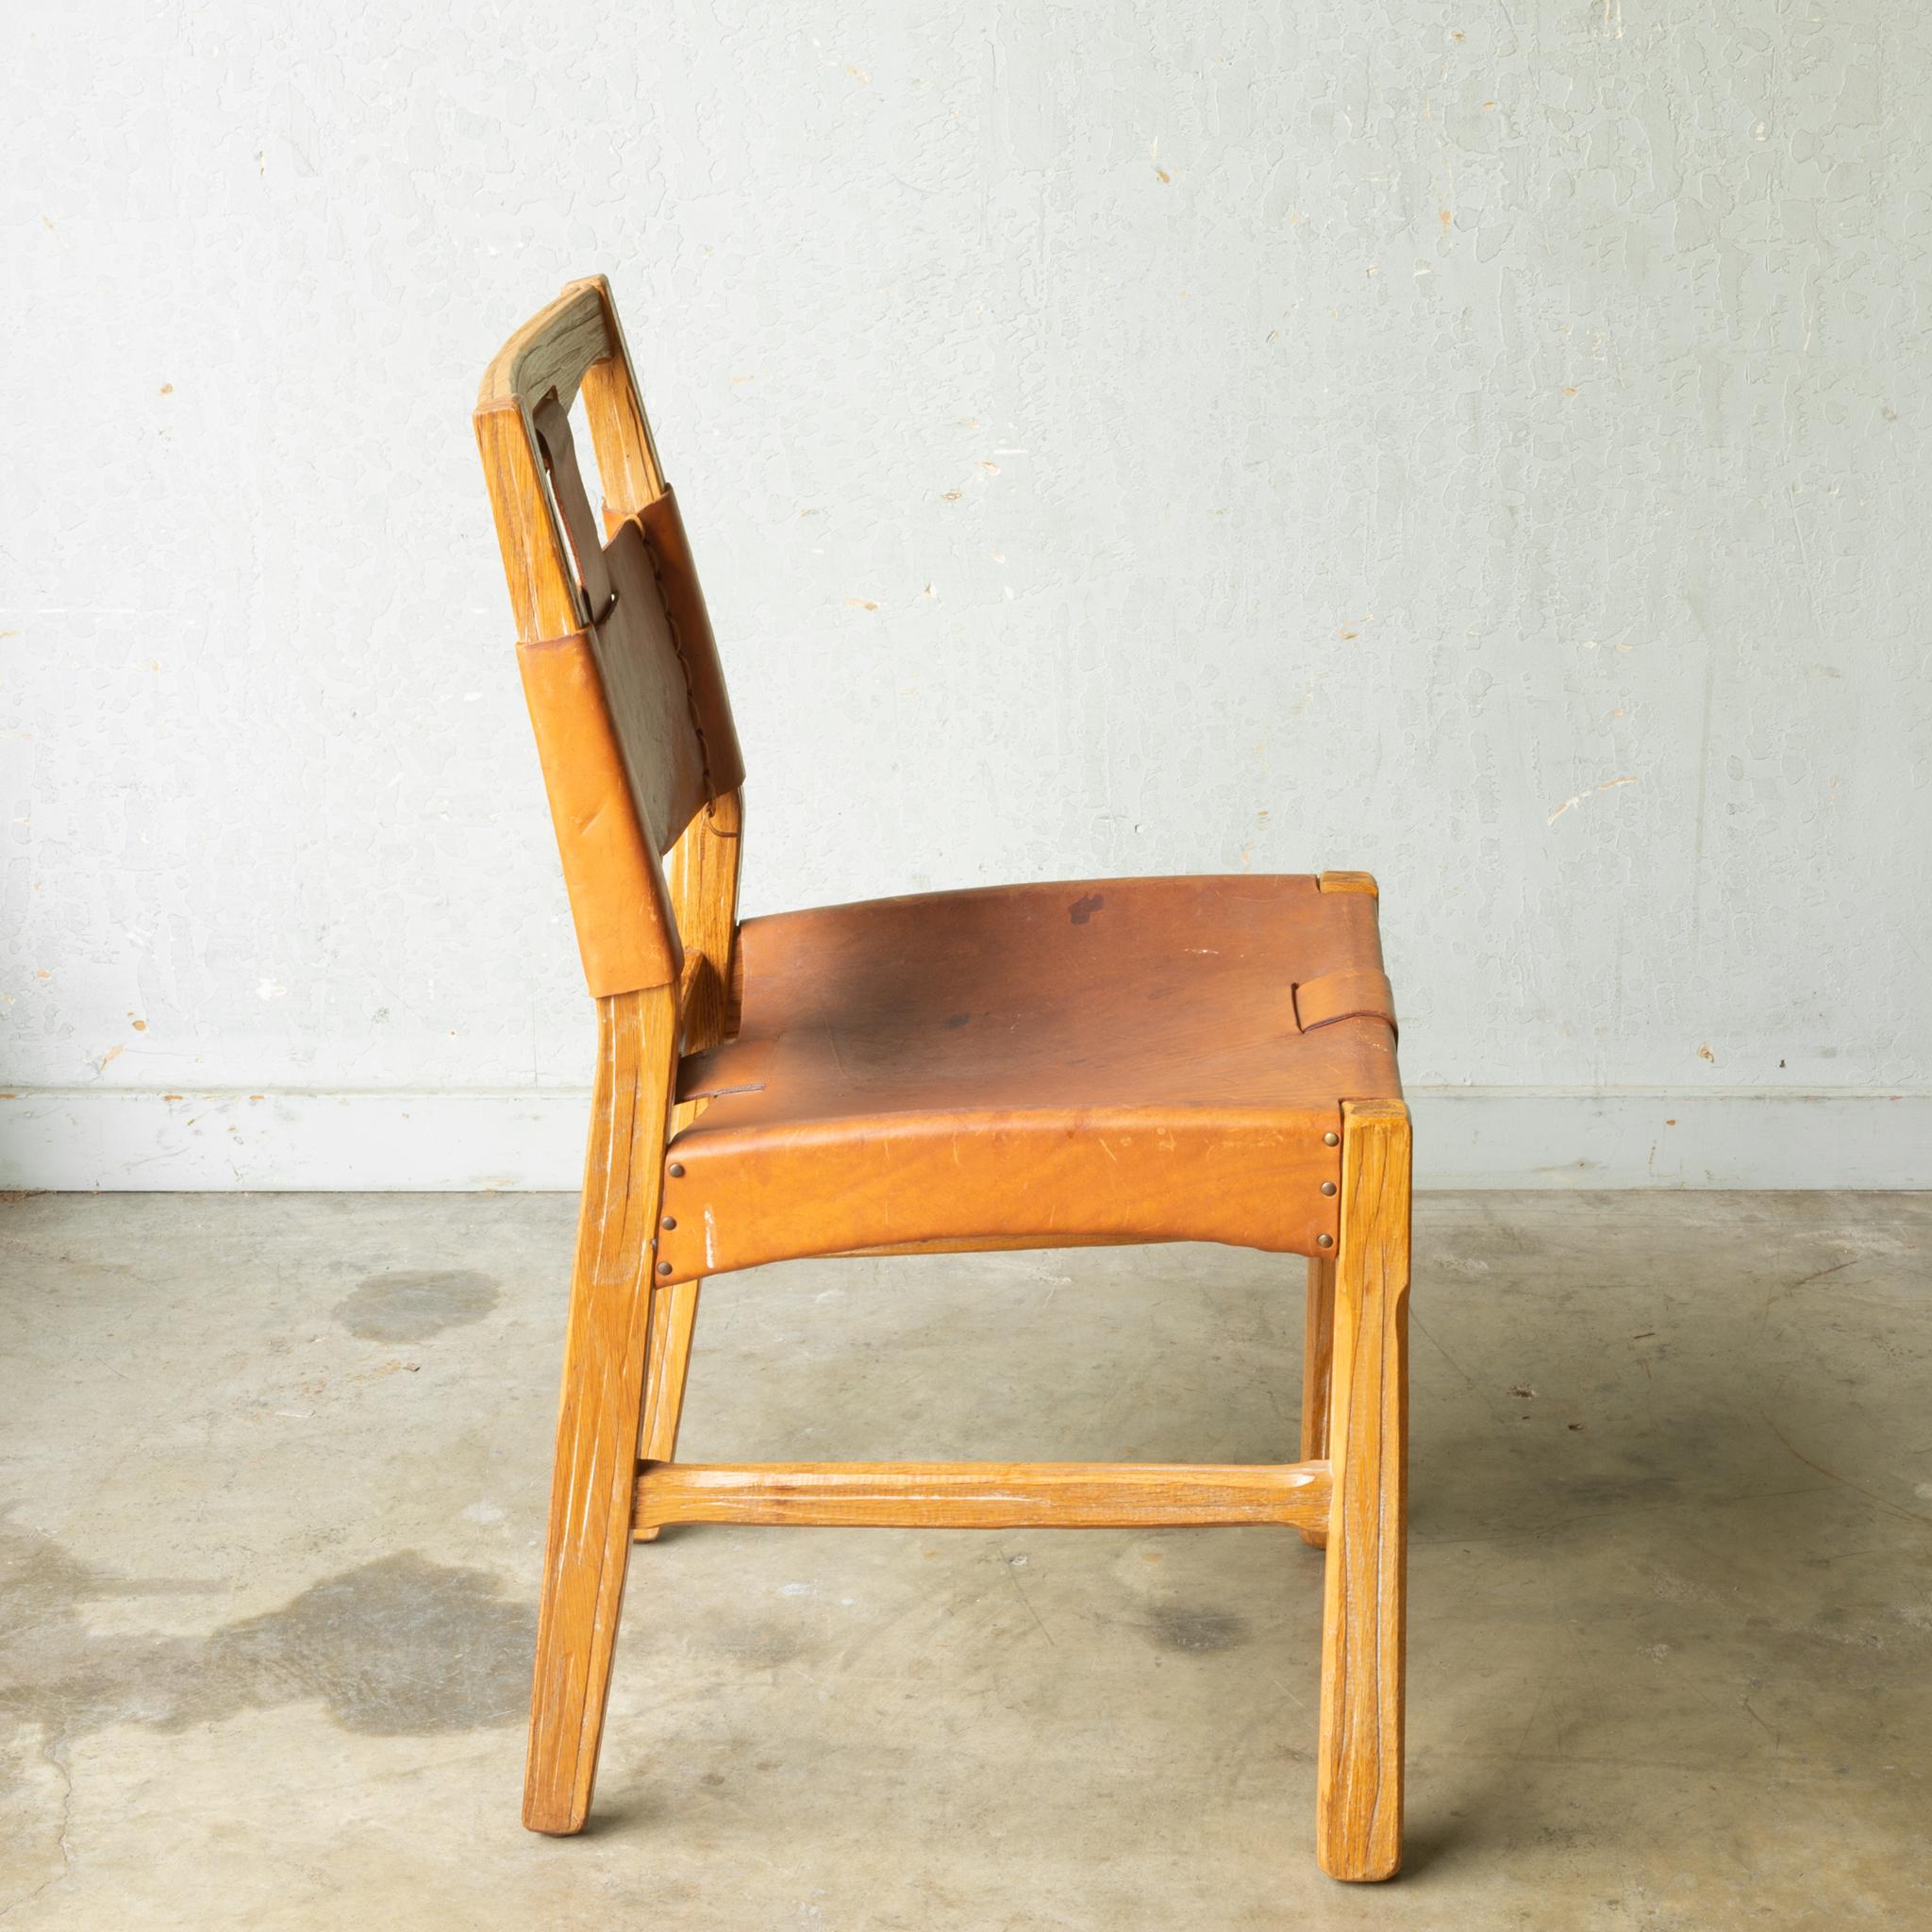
(676, 1171)
(670, 1221)
(663, 1267)
(1331, 1140)
(1325, 1240)
(1327, 1188)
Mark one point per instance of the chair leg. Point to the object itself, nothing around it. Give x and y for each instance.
(1318, 1351)
(674, 1316)
(605, 1346)
(1358, 1798)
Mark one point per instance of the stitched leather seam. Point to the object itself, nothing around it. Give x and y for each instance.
(691, 700)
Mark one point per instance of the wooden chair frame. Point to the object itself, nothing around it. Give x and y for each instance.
(627, 1344)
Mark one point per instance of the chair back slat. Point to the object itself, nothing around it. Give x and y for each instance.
(620, 664)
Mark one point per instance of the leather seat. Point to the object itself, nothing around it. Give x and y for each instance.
(1131, 1059)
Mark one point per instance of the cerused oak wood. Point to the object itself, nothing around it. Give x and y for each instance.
(703, 877)
(1318, 1348)
(1359, 1764)
(606, 1343)
(1060, 1065)
(981, 1495)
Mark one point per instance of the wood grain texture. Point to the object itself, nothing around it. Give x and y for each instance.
(543, 592)
(1358, 1788)
(606, 1347)
(702, 873)
(550, 352)
(980, 1495)
(575, 342)
(673, 1325)
(1317, 1349)
(703, 882)
(627, 464)
(553, 349)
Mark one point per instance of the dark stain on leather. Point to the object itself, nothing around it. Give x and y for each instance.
(958, 1018)
(414, 1304)
(1085, 906)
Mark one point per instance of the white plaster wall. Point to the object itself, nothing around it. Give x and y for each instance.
(1485, 444)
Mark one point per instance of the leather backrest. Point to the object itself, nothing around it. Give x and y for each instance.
(651, 638)
(619, 663)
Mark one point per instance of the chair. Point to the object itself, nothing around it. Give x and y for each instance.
(1119, 1060)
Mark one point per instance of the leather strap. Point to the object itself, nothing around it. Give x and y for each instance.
(1360, 994)
(611, 868)
(694, 641)
(691, 638)
(710, 1076)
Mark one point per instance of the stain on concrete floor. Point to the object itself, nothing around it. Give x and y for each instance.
(265, 1615)
(1177, 1628)
(414, 1304)
(394, 1647)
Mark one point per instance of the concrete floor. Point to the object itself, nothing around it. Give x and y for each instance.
(273, 1475)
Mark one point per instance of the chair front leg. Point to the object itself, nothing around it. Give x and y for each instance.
(605, 1350)
(1359, 1797)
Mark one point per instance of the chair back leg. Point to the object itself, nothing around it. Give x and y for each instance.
(1318, 1351)
(674, 1320)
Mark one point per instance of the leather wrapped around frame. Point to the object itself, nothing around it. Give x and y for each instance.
(1108, 1060)
(625, 934)
(692, 636)
(635, 732)
(1359, 993)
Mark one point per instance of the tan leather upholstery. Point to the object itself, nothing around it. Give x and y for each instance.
(1116, 1060)
(1361, 992)
(632, 723)
(611, 871)
(689, 627)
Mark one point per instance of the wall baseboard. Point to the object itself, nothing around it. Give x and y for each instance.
(1517, 1136)
(1466, 1137)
